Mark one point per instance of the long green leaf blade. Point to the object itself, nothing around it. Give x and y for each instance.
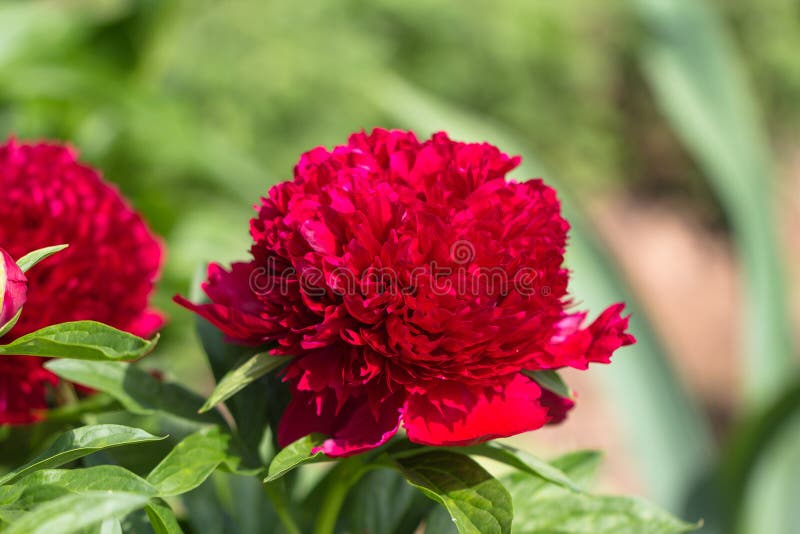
(32, 258)
(242, 376)
(294, 455)
(72, 513)
(81, 442)
(191, 462)
(97, 478)
(162, 518)
(80, 340)
(135, 389)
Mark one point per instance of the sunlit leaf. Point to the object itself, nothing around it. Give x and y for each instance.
(294, 455)
(80, 340)
(162, 518)
(81, 442)
(239, 378)
(477, 502)
(32, 258)
(543, 508)
(72, 513)
(551, 381)
(191, 462)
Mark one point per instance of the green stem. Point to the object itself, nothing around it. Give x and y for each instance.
(341, 479)
(278, 499)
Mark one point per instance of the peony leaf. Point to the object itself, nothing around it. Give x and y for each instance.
(551, 381)
(502, 453)
(80, 340)
(382, 502)
(258, 405)
(73, 513)
(48, 484)
(477, 502)
(32, 258)
(135, 389)
(522, 461)
(162, 518)
(542, 508)
(81, 442)
(191, 462)
(294, 455)
(234, 381)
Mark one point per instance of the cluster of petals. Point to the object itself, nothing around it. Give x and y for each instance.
(436, 343)
(107, 273)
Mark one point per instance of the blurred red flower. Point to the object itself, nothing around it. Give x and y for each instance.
(105, 275)
(412, 283)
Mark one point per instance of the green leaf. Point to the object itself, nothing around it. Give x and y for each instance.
(78, 481)
(757, 458)
(77, 410)
(236, 380)
(135, 389)
(587, 514)
(32, 258)
(191, 462)
(551, 381)
(580, 466)
(543, 508)
(6, 328)
(771, 496)
(80, 340)
(477, 502)
(109, 526)
(383, 503)
(259, 404)
(294, 455)
(498, 452)
(71, 513)
(162, 518)
(10, 493)
(81, 442)
(520, 460)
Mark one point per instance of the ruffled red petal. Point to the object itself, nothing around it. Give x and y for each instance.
(236, 309)
(573, 346)
(357, 426)
(456, 414)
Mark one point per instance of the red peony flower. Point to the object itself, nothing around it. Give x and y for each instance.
(106, 274)
(13, 288)
(413, 284)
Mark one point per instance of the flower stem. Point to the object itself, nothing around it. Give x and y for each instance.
(278, 499)
(340, 480)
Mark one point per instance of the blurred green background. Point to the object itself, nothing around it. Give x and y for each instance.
(194, 108)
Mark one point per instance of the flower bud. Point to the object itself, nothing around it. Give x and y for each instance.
(13, 288)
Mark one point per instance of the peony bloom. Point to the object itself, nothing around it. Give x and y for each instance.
(13, 288)
(413, 284)
(106, 274)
